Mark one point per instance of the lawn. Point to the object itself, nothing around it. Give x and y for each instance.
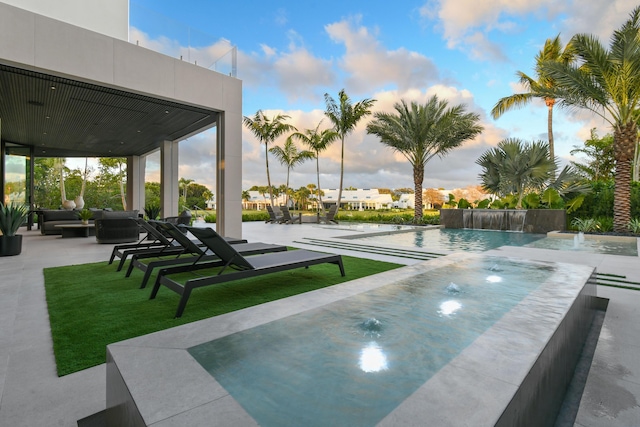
(92, 305)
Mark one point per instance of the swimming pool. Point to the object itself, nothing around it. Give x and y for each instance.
(452, 239)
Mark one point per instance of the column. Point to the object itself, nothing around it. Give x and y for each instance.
(135, 183)
(229, 174)
(169, 178)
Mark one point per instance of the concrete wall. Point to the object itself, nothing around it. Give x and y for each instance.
(109, 17)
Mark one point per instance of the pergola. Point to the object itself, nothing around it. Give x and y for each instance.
(69, 92)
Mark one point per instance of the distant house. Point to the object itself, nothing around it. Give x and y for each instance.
(360, 199)
(406, 201)
(258, 201)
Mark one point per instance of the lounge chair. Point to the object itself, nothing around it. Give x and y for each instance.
(288, 219)
(194, 254)
(165, 244)
(275, 216)
(154, 241)
(329, 218)
(252, 266)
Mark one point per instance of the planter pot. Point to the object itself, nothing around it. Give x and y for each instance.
(85, 222)
(10, 245)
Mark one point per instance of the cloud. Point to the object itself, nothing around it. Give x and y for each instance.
(369, 64)
(596, 17)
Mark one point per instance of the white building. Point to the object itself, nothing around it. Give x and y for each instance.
(360, 199)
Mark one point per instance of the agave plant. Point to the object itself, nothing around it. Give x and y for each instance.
(12, 216)
(585, 225)
(634, 225)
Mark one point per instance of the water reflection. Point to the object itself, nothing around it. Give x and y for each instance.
(447, 308)
(372, 358)
(494, 279)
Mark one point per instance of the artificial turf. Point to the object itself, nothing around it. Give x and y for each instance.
(92, 305)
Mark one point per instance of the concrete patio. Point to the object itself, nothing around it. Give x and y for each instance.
(32, 394)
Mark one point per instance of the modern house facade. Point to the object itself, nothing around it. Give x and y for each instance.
(72, 85)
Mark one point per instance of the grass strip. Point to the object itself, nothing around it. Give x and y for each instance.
(92, 305)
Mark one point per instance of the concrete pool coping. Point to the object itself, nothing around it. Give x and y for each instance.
(152, 380)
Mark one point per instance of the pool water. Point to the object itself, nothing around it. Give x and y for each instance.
(451, 239)
(593, 244)
(354, 361)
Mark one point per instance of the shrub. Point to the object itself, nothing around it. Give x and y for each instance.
(606, 223)
(463, 204)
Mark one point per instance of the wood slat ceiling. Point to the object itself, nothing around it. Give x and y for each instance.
(67, 118)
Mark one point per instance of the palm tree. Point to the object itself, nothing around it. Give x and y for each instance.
(514, 167)
(268, 130)
(184, 183)
(552, 51)
(246, 196)
(420, 132)
(607, 82)
(345, 116)
(290, 156)
(317, 141)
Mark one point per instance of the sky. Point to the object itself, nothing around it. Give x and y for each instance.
(291, 53)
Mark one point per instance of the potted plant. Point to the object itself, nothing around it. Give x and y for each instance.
(11, 218)
(85, 215)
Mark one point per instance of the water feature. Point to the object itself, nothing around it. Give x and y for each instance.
(600, 244)
(527, 220)
(386, 351)
(483, 219)
(352, 362)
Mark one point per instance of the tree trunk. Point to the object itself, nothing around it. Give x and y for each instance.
(122, 195)
(624, 141)
(266, 159)
(341, 173)
(418, 177)
(321, 205)
(550, 103)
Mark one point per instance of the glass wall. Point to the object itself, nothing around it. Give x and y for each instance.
(17, 175)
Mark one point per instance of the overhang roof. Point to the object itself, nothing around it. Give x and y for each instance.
(62, 117)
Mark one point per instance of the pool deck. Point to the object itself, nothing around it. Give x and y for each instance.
(31, 394)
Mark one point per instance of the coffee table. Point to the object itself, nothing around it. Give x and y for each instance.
(77, 230)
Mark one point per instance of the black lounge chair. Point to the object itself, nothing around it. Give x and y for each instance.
(153, 242)
(275, 216)
(244, 267)
(287, 218)
(166, 244)
(329, 218)
(193, 256)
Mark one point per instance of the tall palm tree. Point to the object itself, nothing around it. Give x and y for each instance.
(537, 88)
(607, 82)
(317, 140)
(345, 116)
(268, 130)
(420, 132)
(514, 167)
(289, 156)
